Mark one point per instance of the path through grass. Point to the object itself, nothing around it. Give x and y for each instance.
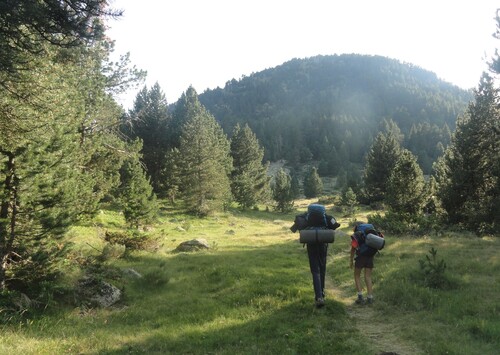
(382, 335)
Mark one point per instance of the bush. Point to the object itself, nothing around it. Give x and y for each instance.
(31, 274)
(433, 272)
(132, 240)
(13, 305)
(404, 224)
(390, 223)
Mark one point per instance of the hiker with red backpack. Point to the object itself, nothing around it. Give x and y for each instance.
(366, 241)
(313, 227)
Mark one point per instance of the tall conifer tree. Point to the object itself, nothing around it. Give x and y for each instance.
(470, 178)
(171, 180)
(59, 155)
(313, 186)
(349, 200)
(282, 192)
(249, 180)
(406, 186)
(380, 161)
(41, 175)
(149, 122)
(139, 201)
(205, 161)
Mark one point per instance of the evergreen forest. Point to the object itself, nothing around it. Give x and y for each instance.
(330, 108)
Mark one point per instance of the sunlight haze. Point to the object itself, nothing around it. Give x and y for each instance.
(207, 43)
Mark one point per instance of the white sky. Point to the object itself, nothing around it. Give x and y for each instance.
(205, 43)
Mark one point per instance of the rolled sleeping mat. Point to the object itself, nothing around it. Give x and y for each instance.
(317, 236)
(375, 241)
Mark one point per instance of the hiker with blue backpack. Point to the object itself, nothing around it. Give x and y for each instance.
(366, 241)
(316, 231)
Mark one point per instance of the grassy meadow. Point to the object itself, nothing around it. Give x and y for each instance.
(251, 293)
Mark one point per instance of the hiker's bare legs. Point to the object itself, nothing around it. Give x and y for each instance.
(357, 279)
(368, 281)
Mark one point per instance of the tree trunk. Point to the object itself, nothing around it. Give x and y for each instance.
(8, 213)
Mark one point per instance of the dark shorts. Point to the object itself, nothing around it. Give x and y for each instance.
(363, 262)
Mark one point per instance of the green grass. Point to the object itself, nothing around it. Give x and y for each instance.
(461, 319)
(251, 293)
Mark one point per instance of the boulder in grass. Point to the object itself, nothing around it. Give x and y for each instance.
(193, 245)
(98, 293)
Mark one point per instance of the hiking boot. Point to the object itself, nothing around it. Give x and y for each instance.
(320, 302)
(369, 300)
(360, 300)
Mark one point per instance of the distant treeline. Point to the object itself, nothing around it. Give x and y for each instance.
(330, 108)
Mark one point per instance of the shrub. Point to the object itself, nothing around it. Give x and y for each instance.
(13, 305)
(433, 271)
(400, 223)
(132, 240)
(389, 223)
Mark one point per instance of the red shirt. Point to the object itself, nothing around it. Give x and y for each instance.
(354, 242)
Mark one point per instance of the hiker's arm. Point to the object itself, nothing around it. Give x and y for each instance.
(351, 259)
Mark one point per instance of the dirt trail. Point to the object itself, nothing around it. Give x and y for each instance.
(383, 334)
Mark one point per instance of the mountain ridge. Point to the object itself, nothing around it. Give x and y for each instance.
(321, 102)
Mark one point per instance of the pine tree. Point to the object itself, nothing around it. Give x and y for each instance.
(349, 200)
(249, 180)
(313, 186)
(432, 202)
(380, 161)
(61, 24)
(281, 189)
(149, 121)
(59, 156)
(40, 174)
(389, 127)
(170, 175)
(136, 194)
(205, 162)
(469, 180)
(406, 186)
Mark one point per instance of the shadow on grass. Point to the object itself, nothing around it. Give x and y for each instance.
(296, 328)
(244, 302)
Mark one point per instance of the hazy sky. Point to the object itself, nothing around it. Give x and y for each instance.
(205, 43)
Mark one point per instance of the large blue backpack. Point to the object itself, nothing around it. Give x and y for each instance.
(316, 215)
(315, 218)
(369, 239)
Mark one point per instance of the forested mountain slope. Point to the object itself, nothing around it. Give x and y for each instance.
(329, 108)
